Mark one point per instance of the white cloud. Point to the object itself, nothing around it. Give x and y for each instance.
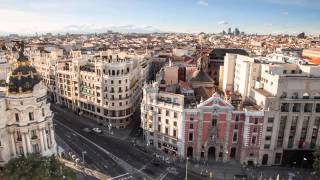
(203, 2)
(285, 13)
(223, 23)
(18, 21)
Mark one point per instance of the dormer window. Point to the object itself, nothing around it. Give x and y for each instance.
(305, 96)
(295, 95)
(283, 95)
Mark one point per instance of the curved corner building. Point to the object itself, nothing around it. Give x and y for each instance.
(26, 119)
(106, 88)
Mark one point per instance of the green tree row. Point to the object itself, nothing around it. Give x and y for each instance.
(36, 168)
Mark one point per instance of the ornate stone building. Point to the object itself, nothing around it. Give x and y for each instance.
(26, 119)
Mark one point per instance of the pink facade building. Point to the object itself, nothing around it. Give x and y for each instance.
(207, 130)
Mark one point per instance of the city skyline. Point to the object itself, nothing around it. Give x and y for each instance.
(191, 16)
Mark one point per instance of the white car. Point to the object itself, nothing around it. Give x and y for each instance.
(97, 130)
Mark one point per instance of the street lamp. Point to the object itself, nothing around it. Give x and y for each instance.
(304, 159)
(83, 152)
(187, 168)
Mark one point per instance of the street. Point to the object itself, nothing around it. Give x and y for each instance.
(110, 155)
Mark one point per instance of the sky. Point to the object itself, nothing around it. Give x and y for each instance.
(192, 16)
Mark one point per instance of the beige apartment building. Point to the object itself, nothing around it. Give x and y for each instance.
(105, 87)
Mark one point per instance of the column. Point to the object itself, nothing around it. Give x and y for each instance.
(28, 142)
(13, 143)
(225, 156)
(45, 139)
(52, 136)
(41, 140)
(24, 144)
(287, 132)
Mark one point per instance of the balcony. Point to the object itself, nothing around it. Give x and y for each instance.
(308, 108)
(284, 107)
(167, 101)
(296, 107)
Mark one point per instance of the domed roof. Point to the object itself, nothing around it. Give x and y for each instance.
(24, 77)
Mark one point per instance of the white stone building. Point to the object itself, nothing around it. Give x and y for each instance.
(289, 96)
(26, 119)
(162, 119)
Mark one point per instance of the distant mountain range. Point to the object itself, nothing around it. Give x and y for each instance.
(82, 29)
(102, 29)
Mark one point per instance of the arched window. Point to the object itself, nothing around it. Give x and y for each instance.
(113, 73)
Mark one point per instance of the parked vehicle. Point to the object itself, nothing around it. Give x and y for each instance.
(97, 130)
(87, 130)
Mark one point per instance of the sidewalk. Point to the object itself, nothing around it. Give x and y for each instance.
(84, 170)
(122, 134)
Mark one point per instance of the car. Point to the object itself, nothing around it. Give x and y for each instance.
(87, 130)
(97, 130)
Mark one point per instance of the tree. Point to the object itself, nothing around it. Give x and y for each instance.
(316, 161)
(36, 168)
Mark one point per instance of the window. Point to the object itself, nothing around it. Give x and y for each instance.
(31, 117)
(267, 146)
(235, 137)
(175, 133)
(159, 111)
(159, 119)
(190, 136)
(34, 134)
(175, 115)
(111, 81)
(21, 150)
(175, 123)
(256, 120)
(236, 126)
(167, 130)
(214, 121)
(255, 129)
(191, 126)
(191, 117)
(277, 159)
(269, 129)
(42, 110)
(17, 117)
(159, 127)
(253, 140)
(237, 117)
(284, 107)
(119, 81)
(167, 113)
(167, 121)
(270, 120)
(268, 138)
(35, 148)
(19, 138)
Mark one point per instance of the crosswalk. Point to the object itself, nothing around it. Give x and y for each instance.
(126, 176)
